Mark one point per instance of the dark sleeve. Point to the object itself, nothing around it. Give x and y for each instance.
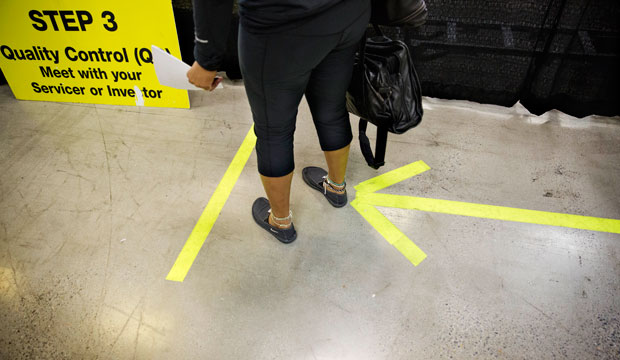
(211, 26)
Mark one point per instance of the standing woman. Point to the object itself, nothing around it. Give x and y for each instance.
(288, 48)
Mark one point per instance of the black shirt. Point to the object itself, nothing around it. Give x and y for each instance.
(212, 21)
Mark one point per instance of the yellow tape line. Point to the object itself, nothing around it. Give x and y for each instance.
(212, 211)
(392, 177)
(366, 199)
(492, 212)
(390, 232)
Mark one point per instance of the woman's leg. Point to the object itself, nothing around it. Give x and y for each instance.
(276, 69)
(337, 166)
(278, 190)
(326, 95)
(329, 111)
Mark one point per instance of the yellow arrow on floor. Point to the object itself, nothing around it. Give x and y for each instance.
(366, 199)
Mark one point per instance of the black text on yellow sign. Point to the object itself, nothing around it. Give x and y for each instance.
(72, 51)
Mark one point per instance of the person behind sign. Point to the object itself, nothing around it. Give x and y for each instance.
(287, 48)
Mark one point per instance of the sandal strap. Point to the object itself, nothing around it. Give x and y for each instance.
(344, 183)
(276, 219)
(327, 182)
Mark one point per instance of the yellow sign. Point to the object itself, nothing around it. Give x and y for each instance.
(88, 52)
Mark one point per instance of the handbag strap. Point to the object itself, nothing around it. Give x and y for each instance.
(377, 160)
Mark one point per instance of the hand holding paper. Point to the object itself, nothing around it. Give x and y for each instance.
(172, 71)
(202, 77)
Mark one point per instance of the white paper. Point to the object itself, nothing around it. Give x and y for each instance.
(172, 71)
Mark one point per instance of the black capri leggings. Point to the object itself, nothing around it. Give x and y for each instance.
(278, 69)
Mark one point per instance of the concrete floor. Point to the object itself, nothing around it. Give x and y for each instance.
(96, 203)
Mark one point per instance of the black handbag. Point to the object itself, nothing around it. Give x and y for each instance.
(384, 90)
(398, 12)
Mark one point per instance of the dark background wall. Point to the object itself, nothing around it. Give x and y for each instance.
(561, 54)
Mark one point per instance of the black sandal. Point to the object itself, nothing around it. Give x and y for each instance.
(261, 210)
(317, 179)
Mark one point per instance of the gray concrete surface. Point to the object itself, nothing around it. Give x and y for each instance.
(96, 203)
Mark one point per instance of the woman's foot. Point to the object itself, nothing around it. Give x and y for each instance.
(261, 212)
(316, 178)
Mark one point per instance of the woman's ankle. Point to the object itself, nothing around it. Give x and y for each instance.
(335, 190)
(280, 223)
(334, 187)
